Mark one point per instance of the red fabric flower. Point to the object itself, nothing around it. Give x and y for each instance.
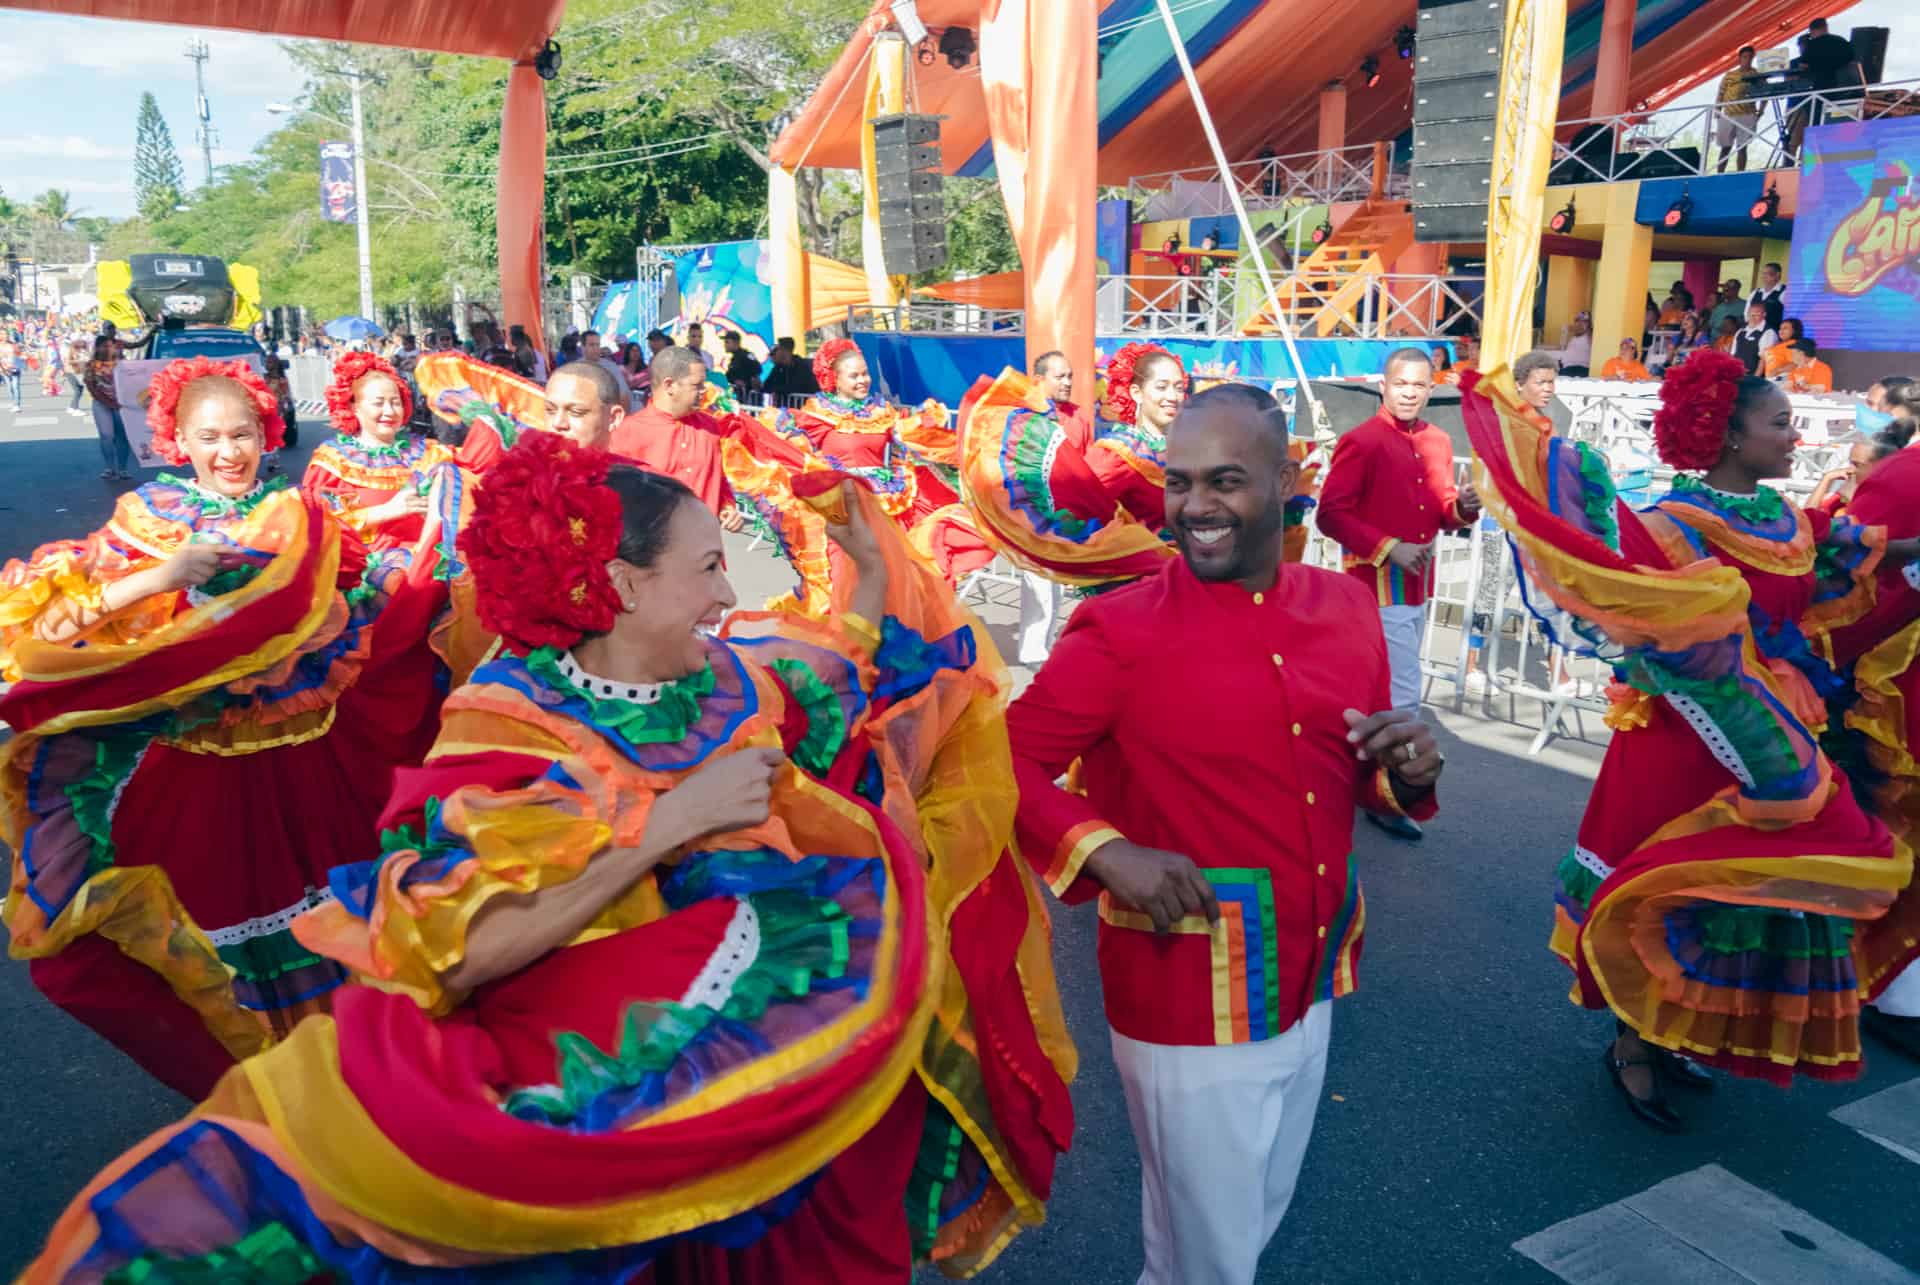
(829, 356)
(348, 372)
(1120, 373)
(544, 528)
(163, 402)
(1696, 406)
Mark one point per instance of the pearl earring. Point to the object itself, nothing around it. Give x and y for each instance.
(629, 606)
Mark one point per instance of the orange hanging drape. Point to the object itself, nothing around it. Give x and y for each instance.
(522, 189)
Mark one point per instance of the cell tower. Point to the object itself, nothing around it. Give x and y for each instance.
(204, 133)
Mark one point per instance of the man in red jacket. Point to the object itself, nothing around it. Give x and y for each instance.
(1389, 493)
(1228, 713)
(671, 435)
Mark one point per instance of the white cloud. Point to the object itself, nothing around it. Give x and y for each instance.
(34, 184)
(239, 65)
(68, 147)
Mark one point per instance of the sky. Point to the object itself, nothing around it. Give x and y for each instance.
(70, 88)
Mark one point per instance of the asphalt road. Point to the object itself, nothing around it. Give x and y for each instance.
(1465, 1105)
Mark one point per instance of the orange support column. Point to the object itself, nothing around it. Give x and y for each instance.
(1610, 72)
(1333, 117)
(522, 197)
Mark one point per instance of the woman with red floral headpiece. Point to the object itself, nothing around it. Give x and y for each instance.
(377, 477)
(908, 458)
(1726, 897)
(690, 949)
(201, 737)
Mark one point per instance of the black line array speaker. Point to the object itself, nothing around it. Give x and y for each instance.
(1870, 51)
(907, 182)
(1456, 96)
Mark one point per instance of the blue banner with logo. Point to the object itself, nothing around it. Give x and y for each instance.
(1854, 279)
(339, 195)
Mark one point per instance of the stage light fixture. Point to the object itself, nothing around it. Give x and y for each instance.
(958, 45)
(1563, 221)
(546, 63)
(1677, 214)
(1767, 208)
(906, 16)
(1323, 232)
(1403, 42)
(1370, 70)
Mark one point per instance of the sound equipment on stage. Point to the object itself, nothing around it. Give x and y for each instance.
(1456, 95)
(908, 185)
(1870, 51)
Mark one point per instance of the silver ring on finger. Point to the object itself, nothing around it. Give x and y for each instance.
(1411, 752)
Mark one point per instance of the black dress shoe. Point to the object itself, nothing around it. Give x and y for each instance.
(1683, 1071)
(1405, 829)
(1901, 1032)
(1654, 1110)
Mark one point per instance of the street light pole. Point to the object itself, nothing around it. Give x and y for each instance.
(360, 198)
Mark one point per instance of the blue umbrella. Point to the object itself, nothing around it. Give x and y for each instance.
(353, 329)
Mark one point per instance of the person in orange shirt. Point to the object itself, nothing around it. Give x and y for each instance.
(670, 435)
(1808, 374)
(1723, 341)
(1778, 360)
(1626, 365)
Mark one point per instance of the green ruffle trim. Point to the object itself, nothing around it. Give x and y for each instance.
(801, 938)
(1578, 882)
(661, 722)
(267, 1255)
(94, 795)
(1746, 722)
(1028, 464)
(261, 959)
(228, 581)
(374, 451)
(826, 716)
(1599, 495)
(935, 1166)
(212, 505)
(1737, 930)
(1764, 505)
(478, 409)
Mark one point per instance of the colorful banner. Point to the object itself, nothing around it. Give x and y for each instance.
(726, 288)
(339, 198)
(1854, 279)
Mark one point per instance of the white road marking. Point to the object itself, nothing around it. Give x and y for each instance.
(30, 421)
(1706, 1227)
(1890, 1117)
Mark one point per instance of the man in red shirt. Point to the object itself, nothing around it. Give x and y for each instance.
(1389, 492)
(1228, 713)
(586, 403)
(671, 435)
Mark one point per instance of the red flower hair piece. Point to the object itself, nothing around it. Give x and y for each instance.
(163, 402)
(827, 358)
(347, 374)
(544, 528)
(1120, 372)
(1696, 406)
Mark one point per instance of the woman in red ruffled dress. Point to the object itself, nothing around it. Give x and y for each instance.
(194, 750)
(908, 458)
(1726, 897)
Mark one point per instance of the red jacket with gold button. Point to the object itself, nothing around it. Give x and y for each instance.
(1209, 721)
(1389, 483)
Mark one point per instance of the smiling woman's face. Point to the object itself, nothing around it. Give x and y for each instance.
(221, 436)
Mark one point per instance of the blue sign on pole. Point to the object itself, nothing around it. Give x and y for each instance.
(339, 199)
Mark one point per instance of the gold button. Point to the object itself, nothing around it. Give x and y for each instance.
(1323, 930)
(1309, 796)
(1296, 729)
(1259, 598)
(1321, 870)
(1277, 660)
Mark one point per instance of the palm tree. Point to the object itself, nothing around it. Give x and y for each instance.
(54, 207)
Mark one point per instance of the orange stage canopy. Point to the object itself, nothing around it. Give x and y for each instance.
(510, 29)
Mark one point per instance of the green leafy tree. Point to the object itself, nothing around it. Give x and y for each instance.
(54, 208)
(158, 179)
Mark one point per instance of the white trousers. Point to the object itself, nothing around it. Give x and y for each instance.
(1404, 627)
(1901, 998)
(1222, 1130)
(1039, 604)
